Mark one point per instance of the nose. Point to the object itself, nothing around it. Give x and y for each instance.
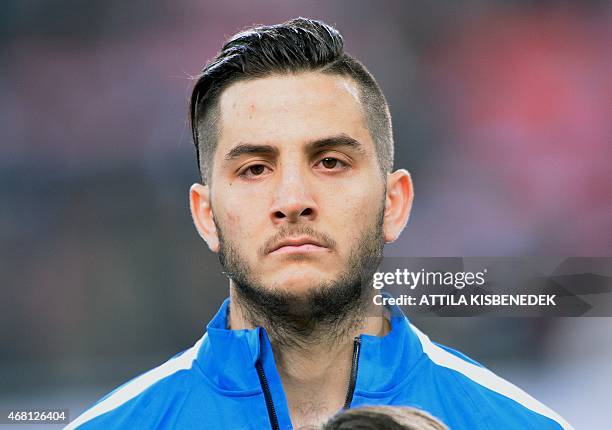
(293, 202)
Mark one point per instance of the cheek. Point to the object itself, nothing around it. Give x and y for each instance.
(232, 216)
(359, 197)
(238, 215)
(354, 208)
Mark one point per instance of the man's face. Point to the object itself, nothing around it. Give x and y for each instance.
(296, 184)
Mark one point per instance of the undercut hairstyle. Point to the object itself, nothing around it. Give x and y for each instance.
(295, 46)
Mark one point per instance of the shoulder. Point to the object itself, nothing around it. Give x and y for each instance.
(128, 404)
(499, 403)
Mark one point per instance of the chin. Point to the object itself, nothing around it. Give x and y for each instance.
(299, 285)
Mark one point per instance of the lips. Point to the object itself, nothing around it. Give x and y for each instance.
(297, 244)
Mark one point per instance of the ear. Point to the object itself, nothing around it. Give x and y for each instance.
(398, 203)
(202, 214)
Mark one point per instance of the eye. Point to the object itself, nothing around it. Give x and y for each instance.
(332, 163)
(254, 170)
(329, 162)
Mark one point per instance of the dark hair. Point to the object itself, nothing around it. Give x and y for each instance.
(383, 418)
(298, 45)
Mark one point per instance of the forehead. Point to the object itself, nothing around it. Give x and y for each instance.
(287, 109)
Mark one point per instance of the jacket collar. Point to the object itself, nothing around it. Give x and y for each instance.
(228, 357)
(385, 362)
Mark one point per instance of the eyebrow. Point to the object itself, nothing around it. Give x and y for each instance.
(314, 146)
(249, 148)
(335, 141)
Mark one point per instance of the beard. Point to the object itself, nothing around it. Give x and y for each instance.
(326, 311)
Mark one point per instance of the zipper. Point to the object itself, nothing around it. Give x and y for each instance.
(353, 377)
(349, 394)
(268, 396)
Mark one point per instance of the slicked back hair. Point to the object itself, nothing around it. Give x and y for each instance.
(295, 46)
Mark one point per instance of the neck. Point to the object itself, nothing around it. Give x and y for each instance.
(315, 369)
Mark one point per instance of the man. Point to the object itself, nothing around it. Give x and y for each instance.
(295, 150)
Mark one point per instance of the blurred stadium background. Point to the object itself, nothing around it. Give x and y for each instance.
(502, 112)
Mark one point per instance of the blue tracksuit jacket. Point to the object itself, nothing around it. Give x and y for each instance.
(228, 380)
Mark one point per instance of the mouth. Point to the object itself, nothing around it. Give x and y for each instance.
(298, 245)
